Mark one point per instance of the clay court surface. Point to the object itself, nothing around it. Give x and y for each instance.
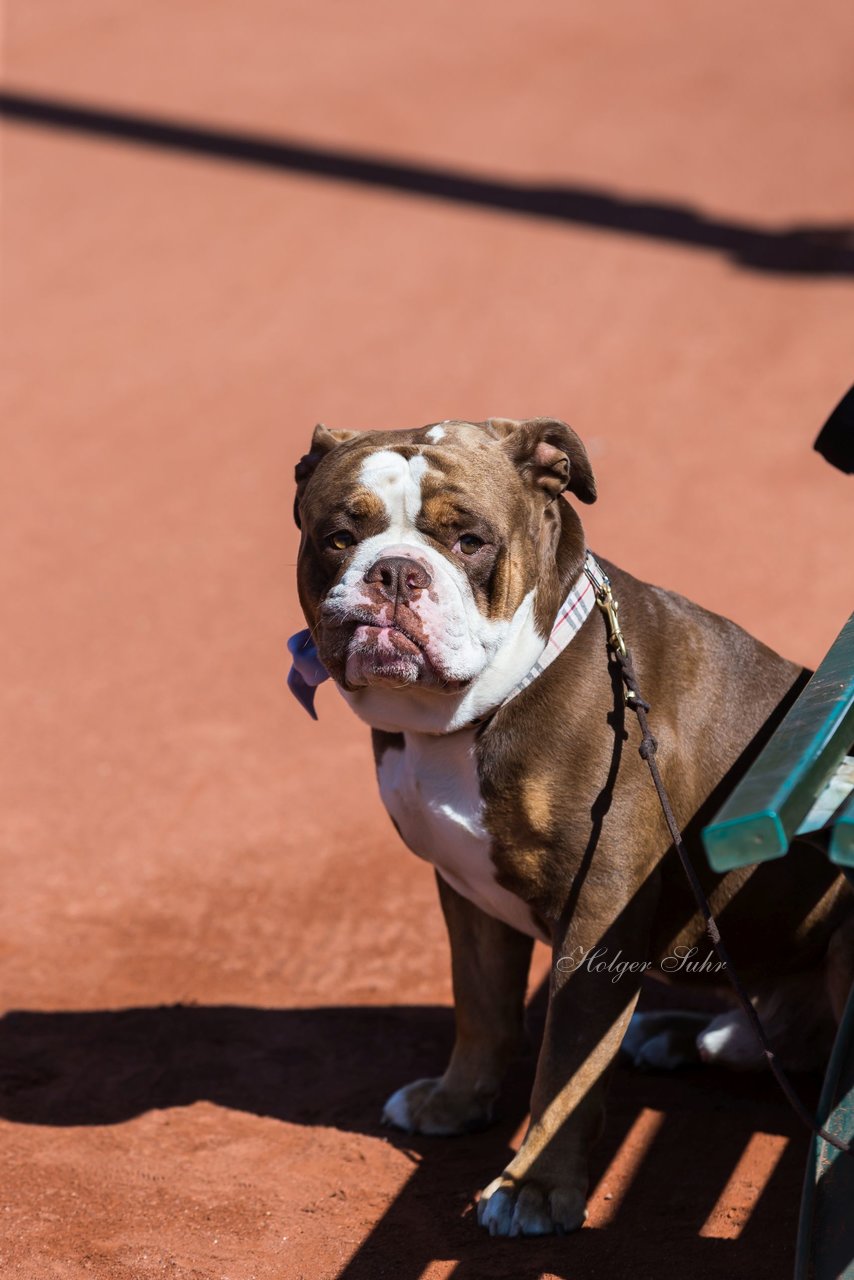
(217, 958)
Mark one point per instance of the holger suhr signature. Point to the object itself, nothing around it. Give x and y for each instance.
(596, 960)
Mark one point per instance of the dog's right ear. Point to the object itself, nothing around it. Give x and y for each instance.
(323, 441)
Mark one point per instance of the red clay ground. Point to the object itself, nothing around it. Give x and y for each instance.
(217, 958)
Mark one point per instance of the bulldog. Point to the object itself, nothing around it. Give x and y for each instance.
(450, 595)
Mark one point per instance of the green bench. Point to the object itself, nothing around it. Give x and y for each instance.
(802, 783)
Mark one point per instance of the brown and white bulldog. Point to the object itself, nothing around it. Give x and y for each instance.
(436, 569)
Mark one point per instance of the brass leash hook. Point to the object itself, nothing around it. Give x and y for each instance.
(608, 605)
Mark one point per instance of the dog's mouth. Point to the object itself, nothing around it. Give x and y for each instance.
(392, 652)
(381, 653)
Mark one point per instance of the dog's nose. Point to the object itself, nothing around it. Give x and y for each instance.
(399, 577)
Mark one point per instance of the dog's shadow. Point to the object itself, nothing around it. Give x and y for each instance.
(335, 1066)
(319, 1065)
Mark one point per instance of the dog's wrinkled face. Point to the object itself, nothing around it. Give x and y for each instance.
(433, 561)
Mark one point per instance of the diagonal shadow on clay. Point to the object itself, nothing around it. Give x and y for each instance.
(802, 250)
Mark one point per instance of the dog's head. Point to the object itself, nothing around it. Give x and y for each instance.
(433, 562)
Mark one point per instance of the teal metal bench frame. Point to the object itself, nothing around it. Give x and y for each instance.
(803, 782)
(774, 798)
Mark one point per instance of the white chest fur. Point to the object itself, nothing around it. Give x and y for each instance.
(431, 790)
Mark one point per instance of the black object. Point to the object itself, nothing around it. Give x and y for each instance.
(836, 439)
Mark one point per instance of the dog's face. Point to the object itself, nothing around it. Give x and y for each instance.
(433, 561)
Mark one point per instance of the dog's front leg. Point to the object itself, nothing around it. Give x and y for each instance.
(544, 1188)
(489, 962)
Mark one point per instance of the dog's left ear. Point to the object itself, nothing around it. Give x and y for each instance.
(550, 454)
(323, 441)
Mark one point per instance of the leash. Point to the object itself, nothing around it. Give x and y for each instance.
(648, 748)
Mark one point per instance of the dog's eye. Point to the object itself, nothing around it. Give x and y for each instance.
(469, 543)
(340, 540)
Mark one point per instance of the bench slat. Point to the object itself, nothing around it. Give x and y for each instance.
(842, 836)
(762, 814)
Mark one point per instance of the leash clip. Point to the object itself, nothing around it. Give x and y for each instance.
(607, 603)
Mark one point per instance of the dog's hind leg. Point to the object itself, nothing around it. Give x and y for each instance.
(798, 1020)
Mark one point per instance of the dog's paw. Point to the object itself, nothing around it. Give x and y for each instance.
(730, 1041)
(663, 1040)
(511, 1208)
(425, 1106)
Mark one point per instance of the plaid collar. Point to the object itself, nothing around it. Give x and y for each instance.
(307, 671)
